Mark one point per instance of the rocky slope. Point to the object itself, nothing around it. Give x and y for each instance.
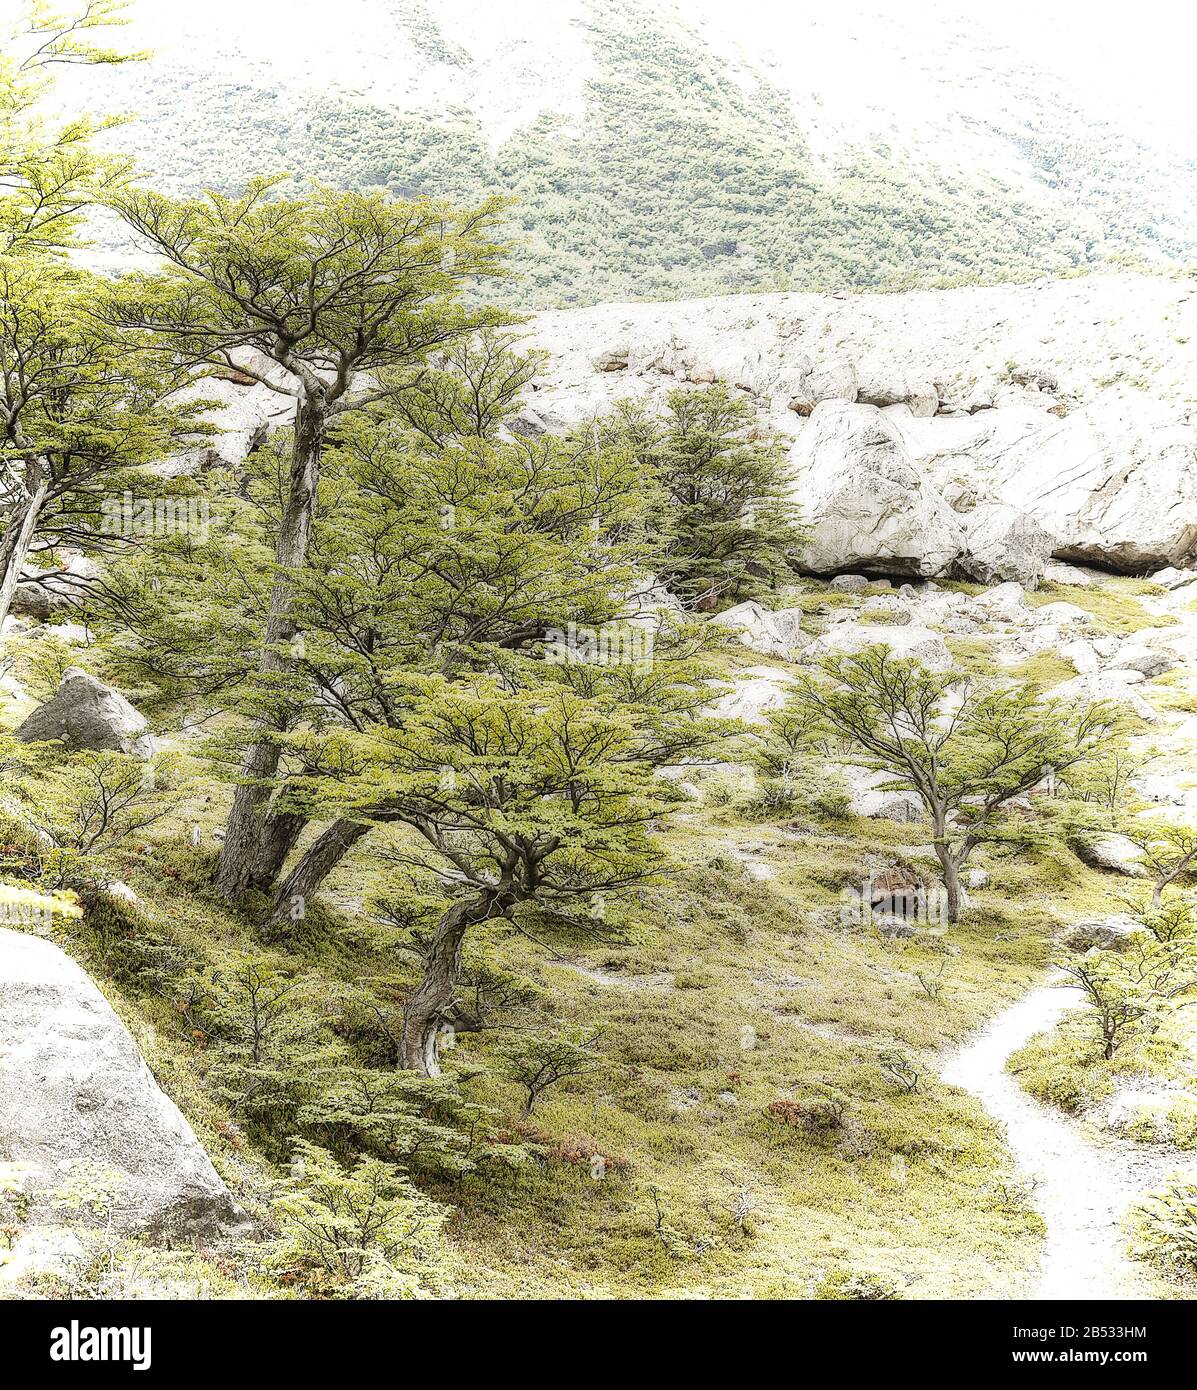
(980, 430)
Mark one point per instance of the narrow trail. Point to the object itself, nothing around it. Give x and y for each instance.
(1083, 1183)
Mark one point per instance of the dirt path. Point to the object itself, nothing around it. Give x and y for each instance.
(1083, 1183)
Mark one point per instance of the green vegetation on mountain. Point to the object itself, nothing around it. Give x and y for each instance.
(679, 182)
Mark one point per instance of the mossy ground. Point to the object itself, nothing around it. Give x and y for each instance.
(734, 983)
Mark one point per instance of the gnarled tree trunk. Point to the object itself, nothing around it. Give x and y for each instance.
(302, 883)
(280, 834)
(239, 853)
(432, 1000)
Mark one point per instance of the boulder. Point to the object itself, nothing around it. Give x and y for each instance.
(1114, 853)
(870, 796)
(768, 634)
(1003, 543)
(1114, 482)
(976, 878)
(1100, 934)
(76, 1089)
(1173, 578)
(614, 359)
(920, 397)
(44, 594)
(754, 690)
(907, 640)
(1068, 574)
(86, 713)
(1108, 685)
(1148, 661)
(868, 507)
(849, 584)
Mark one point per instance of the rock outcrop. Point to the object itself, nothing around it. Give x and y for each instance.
(868, 507)
(87, 714)
(767, 633)
(76, 1091)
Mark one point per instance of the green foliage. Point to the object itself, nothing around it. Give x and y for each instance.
(362, 1232)
(729, 530)
(1163, 1227)
(1131, 991)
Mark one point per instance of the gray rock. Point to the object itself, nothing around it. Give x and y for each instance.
(976, 878)
(1114, 853)
(1101, 934)
(768, 634)
(1148, 661)
(1003, 543)
(908, 641)
(869, 509)
(849, 584)
(1172, 578)
(55, 591)
(77, 1089)
(86, 713)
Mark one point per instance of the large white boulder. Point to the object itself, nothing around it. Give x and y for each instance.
(1115, 482)
(754, 690)
(76, 1090)
(1004, 543)
(767, 633)
(85, 713)
(909, 641)
(868, 506)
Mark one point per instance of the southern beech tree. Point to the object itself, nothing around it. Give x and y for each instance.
(729, 530)
(967, 749)
(77, 411)
(347, 294)
(536, 786)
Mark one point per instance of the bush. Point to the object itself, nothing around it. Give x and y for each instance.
(364, 1232)
(1164, 1227)
(817, 1115)
(856, 1286)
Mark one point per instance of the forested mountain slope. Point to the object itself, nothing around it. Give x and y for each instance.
(654, 155)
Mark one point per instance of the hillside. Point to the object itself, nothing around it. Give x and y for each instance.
(656, 155)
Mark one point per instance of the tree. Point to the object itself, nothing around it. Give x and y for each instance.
(967, 749)
(331, 288)
(536, 1063)
(1132, 990)
(728, 531)
(537, 787)
(1169, 852)
(49, 173)
(78, 415)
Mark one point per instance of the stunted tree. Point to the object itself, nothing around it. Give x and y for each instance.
(537, 788)
(334, 300)
(49, 168)
(1169, 852)
(729, 530)
(1132, 990)
(966, 748)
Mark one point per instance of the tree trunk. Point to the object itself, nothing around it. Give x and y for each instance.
(17, 538)
(239, 853)
(302, 883)
(280, 832)
(949, 867)
(433, 998)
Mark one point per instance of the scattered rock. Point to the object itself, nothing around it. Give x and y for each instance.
(86, 713)
(76, 1089)
(1172, 578)
(43, 594)
(849, 584)
(1114, 853)
(1101, 933)
(909, 641)
(769, 634)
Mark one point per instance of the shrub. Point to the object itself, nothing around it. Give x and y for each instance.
(856, 1286)
(1164, 1226)
(360, 1232)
